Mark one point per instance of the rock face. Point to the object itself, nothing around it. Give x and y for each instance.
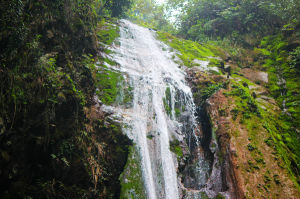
(215, 135)
(107, 151)
(255, 76)
(243, 158)
(221, 124)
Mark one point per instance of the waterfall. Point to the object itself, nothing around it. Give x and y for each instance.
(160, 95)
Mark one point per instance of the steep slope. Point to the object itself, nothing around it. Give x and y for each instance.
(54, 142)
(245, 119)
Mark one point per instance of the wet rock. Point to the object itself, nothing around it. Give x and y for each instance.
(255, 76)
(107, 110)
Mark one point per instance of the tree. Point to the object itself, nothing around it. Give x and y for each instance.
(148, 11)
(223, 18)
(115, 8)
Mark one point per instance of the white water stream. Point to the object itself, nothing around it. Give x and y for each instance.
(151, 71)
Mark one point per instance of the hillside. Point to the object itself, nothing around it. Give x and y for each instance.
(182, 99)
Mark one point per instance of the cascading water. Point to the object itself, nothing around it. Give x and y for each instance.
(162, 110)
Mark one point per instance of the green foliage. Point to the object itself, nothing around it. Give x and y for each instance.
(295, 58)
(201, 20)
(107, 32)
(245, 102)
(282, 136)
(111, 85)
(284, 140)
(175, 148)
(47, 73)
(283, 65)
(117, 7)
(132, 185)
(210, 90)
(252, 166)
(205, 91)
(250, 147)
(189, 50)
(107, 83)
(149, 14)
(220, 196)
(168, 102)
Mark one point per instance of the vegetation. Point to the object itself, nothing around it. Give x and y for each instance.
(281, 135)
(149, 14)
(50, 143)
(240, 21)
(167, 100)
(52, 65)
(175, 148)
(131, 178)
(260, 35)
(283, 69)
(188, 50)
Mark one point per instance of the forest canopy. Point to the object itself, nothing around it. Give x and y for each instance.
(199, 19)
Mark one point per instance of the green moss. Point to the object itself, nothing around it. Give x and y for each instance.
(220, 196)
(280, 63)
(110, 84)
(107, 84)
(177, 112)
(128, 95)
(175, 148)
(107, 32)
(234, 112)
(168, 101)
(132, 185)
(286, 147)
(251, 147)
(206, 91)
(189, 50)
(252, 166)
(204, 195)
(245, 103)
(112, 88)
(282, 137)
(168, 93)
(243, 79)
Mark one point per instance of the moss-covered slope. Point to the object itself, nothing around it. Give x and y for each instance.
(257, 135)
